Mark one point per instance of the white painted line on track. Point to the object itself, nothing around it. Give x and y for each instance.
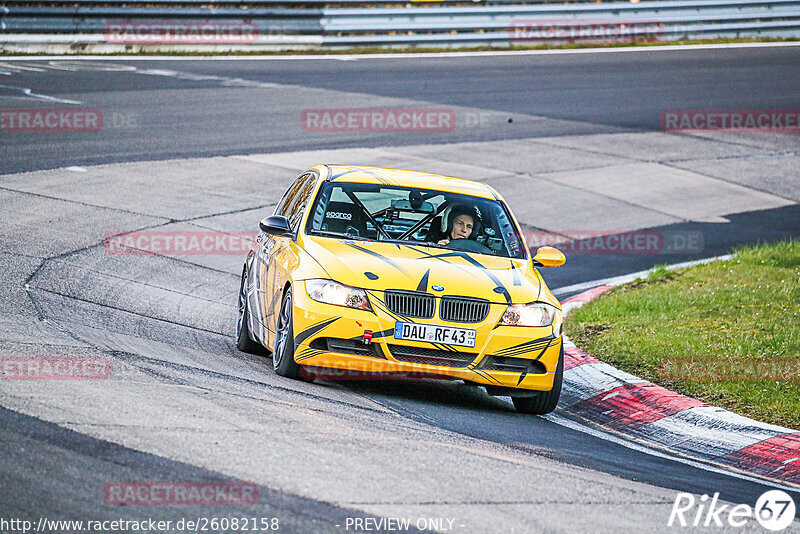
(575, 425)
(37, 96)
(415, 56)
(625, 278)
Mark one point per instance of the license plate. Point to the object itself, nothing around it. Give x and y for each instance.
(448, 335)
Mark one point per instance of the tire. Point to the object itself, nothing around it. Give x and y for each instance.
(243, 340)
(283, 354)
(546, 401)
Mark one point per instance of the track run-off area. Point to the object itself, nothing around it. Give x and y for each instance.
(204, 148)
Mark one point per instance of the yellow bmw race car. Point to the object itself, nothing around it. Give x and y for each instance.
(391, 272)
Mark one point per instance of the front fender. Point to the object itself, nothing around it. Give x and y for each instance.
(291, 264)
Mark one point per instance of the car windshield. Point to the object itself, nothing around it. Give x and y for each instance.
(412, 215)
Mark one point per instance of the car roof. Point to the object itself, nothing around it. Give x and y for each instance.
(423, 180)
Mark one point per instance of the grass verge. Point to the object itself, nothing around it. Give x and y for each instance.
(726, 332)
(423, 50)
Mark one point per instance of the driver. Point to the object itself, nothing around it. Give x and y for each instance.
(461, 222)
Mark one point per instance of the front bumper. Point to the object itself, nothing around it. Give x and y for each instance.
(330, 337)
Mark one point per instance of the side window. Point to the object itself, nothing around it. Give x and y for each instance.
(300, 201)
(293, 203)
(285, 204)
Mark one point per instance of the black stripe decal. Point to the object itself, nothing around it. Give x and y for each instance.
(376, 255)
(472, 261)
(486, 375)
(308, 353)
(543, 350)
(522, 377)
(428, 255)
(313, 329)
(423, 284)
(486, 271)
(526, 346)
(525, 373)
(520, 352)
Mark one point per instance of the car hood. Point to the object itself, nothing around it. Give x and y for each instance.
(379, 266)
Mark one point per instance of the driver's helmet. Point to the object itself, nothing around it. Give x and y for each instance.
(454, 211)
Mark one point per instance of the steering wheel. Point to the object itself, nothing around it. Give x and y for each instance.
(469, 245)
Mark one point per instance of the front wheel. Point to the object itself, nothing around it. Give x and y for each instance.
(283, 355)
(546, 401)
(243, 341)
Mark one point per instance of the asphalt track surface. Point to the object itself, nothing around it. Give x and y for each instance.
(185, 405)
(177, 116)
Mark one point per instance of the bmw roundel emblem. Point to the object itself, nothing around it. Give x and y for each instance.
(437, 287)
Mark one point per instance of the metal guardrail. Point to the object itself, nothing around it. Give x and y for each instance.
(500, 24)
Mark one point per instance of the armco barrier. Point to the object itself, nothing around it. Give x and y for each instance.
(270, 24)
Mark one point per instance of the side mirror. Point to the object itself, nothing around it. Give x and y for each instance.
(276, 225)
(549, 257)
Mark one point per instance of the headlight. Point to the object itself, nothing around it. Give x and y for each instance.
(331, 292)
(536, 314)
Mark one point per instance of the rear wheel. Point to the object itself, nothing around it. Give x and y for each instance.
(283, 355)
(546, 401)
(243, 341)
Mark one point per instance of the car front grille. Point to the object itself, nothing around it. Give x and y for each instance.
(410, 304)
(444, 358)
(463, 310)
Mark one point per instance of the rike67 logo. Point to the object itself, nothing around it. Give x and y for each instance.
(774, 510)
